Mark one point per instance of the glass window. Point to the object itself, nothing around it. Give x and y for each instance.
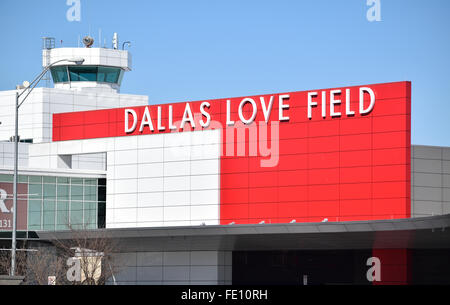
(71, 203)
(76, 214)
(6, 178)
(76, 181)
(49, 215)
(63, 192)
(102, 74)
(34, 214)
(101, 193)
(63, 180)
(108, 75)
(62, 217)
(90, 193)
(59, 74)
(120, 77)
(90, 214)
(90, 181)
(34, 206)
(34, 221)
(35, 191)
(101, 220)
(76, 192)
(94, 73)
(35, 179)
(49, 191)
(10, 178)
(83, 73)
(49, 180)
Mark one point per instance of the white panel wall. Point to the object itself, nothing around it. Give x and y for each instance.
(35, 115)
(92, 56)
(152, 180)
(89, 161)
(7, 154)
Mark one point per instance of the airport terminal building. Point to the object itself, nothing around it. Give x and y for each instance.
(286, 188)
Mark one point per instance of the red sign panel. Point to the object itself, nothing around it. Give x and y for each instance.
(341, 154)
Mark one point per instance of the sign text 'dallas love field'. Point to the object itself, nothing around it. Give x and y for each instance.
(326, 101)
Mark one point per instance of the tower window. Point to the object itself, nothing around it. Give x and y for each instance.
(83, 74)
(100, 74)
(59, 74)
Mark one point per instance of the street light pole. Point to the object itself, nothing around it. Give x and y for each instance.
(30, 86)
(16, 154)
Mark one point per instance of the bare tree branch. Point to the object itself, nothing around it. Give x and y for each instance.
(94, 250)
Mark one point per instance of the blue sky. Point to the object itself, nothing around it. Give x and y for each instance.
(194, 50)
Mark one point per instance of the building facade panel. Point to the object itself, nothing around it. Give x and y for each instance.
(331, 156)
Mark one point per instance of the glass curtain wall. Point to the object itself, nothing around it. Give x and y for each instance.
(62, 203)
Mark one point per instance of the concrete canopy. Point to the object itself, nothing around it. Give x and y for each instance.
(413, 233)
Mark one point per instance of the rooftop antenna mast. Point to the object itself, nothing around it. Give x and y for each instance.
(115, 41)
(48, 43)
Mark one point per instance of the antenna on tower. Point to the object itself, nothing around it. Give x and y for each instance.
(115, 41)
(48, 43)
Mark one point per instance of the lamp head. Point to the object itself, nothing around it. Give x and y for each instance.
(76, 60)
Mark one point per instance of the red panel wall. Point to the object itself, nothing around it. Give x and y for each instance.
(342, 168)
